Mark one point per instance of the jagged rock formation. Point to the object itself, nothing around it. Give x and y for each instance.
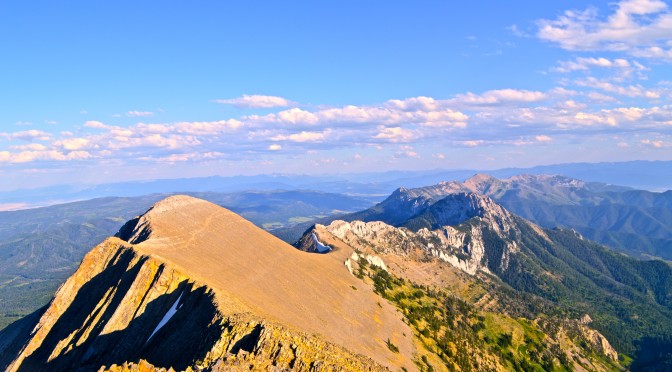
(558, 269)
(432, 233)
(634, 221)
(192, 285)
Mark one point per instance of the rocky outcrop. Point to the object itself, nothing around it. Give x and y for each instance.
(458, 208)
(310, 242)
(463, 247)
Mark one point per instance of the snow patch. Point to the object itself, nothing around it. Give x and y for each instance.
(166, 318)
(319, 246)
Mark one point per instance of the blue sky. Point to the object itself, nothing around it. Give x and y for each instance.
(103, 91)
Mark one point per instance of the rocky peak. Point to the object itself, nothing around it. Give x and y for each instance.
(169, 217)
(474, 205)
(455, 209)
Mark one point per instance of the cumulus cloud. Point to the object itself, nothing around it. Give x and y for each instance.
(95, 124)
(256, 101)
(303, 136)
(72, 144)
(395, 112)
(627, 90)
(414, 103)
(585, 64)
(494, 97)
(395, 134)
(297, 116)
(506, 117)
(28, 135)
(637, 27)
(191, 128)
(48, 155)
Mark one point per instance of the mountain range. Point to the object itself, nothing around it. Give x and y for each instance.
(192, 285)
(636, 222)
(645, 175)
(442, 277)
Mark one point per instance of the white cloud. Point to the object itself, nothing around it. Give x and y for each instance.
(506, 117)
(543, 138)
(191, 128)
(297, 116)
(395, 134)
(583, 64)
(654, 143)
(28, 135)
(494, 97)
(414, 103)
(636, 27)
(136, 114)
(72, 144)
(49, 155)
(256, 101)
(303, 137)
(595, 118)
(596, 97)
(417, 110)
(95, 124)
(471, 143)
(627, 90)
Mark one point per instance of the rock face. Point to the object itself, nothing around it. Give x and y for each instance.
(192, 285)
(439, 231)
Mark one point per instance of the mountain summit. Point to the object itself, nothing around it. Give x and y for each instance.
(191, 284)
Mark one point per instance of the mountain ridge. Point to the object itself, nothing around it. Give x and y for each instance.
(635, 222)
(559, 265)
(249, 280)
